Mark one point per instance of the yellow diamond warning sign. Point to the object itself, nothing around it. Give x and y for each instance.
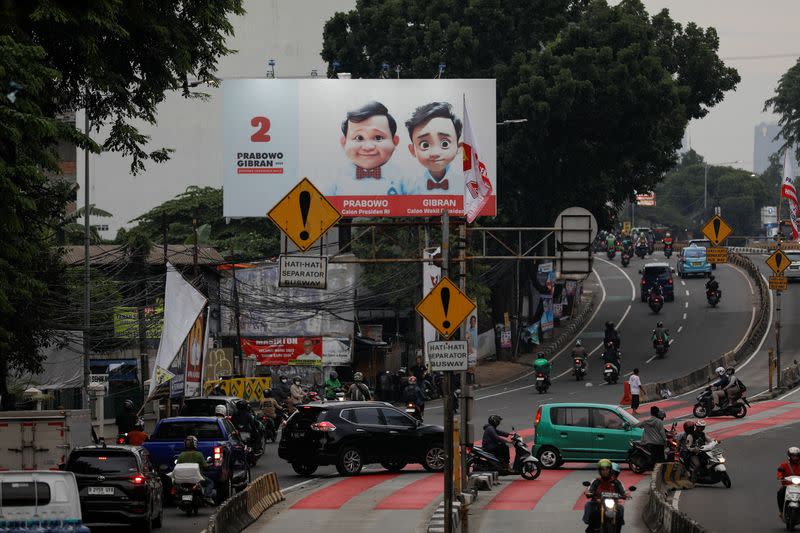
(445, 307)
(304, 214)
(778, 261)
(717, 230)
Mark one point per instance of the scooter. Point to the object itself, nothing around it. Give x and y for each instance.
(188, 483)
(662, 347)
(626, 259)
(712, 468)
(610, 253)
(667, 251)
(270, 432)
(542, 382)
(641, 251)
(640, 459)
(791, 503)
(609, 510)
(525, 464)
(254, 446)
(705, 406)
(610, 373)
(713, 297)
(578, 369)
(655, 301)
(412, 410)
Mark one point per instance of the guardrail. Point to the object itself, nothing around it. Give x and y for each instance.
(705, 374)
(244, 508)
(659, 514)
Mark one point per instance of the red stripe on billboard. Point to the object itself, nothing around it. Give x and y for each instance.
(407, 205)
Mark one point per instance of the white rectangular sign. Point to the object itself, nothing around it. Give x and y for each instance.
(310, 272)
(448, 355)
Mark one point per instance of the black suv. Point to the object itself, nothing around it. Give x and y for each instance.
(117, 484)
(352, 434)
(206, 405)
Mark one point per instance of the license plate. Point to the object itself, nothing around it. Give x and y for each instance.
(695, 264)
(298, 434)
(245, 435)
(187, 497)
(101, 491)
(539, 379)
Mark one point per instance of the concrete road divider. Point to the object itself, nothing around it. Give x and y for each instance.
(659, 514)
(244, 508)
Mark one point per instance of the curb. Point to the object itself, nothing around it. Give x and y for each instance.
(436, 522)
(660, 516)
(245, 507)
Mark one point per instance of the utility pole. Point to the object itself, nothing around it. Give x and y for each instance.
(448, 398)
(466, 393)
(194, 248)
(778, 306)
(87, 277)
(239, 366)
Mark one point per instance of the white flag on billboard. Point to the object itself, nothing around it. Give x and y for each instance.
(182, 305)
(477, 185)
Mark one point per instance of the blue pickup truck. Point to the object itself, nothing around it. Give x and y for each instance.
(217, 439)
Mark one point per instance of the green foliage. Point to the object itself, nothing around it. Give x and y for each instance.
(105, 296)
(240, 239)
(607, 90)
(72, 231)
(786, 103)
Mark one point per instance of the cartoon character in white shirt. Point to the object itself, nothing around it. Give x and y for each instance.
(435, 132)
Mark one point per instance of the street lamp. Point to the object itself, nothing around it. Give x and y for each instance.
(705, 179)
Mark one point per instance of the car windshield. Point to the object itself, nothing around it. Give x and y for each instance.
(200, 407)
(694, 253)
(793, 256)
(653, 272)
(102, 462)
(182, 429)
(704, 243)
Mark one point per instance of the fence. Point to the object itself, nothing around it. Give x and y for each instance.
(244, 508)
(660, 516)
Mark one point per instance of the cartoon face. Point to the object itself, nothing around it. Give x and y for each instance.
(435, 145)
(369, 143)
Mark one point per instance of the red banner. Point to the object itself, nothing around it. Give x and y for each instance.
(406, 205)
(285, 350)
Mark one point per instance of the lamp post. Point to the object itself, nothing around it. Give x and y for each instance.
(705, 179)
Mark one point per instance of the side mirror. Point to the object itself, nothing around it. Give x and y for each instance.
(209, 459)
(586, 484)
(626, 426)
(632, 488)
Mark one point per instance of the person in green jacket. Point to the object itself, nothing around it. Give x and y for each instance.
(331, 385)
(541, 364)
(192, 455)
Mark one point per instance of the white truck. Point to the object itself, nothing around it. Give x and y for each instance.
(41, 440)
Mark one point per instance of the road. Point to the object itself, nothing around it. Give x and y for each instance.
(700, 333)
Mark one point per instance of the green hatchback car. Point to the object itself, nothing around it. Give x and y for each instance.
(584, 432)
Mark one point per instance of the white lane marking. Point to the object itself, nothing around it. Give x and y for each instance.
(745, 276)
(651, 358)
(298, 485)
(687, 292)
(752, 355)
(633, 287)
(686, 305)
(789, 394)
(683, 283)
(684, 316)
(671, 341)
(675, 499)
(680, 328)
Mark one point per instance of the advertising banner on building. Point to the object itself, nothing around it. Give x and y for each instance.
(472, 338)
(388, 148)
(126, 321)
(547, 313)
(194, 348)
(299, 351)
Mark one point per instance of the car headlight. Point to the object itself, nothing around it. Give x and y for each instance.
(721, 459)
(609, 503)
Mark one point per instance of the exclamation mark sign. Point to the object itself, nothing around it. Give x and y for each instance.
(778, 261)
(444, 294)
(716, 227)
(305, 205)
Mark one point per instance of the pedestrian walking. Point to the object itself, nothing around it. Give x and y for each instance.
(635, 384)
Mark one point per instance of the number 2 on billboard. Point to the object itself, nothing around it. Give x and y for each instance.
(262, 123)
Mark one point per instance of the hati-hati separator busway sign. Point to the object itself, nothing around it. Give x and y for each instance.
(445, 307)
(448, 356)
(304, 214)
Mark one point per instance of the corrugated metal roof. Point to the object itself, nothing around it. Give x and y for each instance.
(177, 254)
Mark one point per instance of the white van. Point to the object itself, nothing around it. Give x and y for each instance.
(39, 495)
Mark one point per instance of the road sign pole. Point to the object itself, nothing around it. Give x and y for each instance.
(448, 398)
(465, 386)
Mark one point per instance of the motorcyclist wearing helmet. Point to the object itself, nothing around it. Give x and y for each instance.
(611, 240)
(734, 389)
(413, 394)
(137, 436)
(579, 352)
(655, 292)
(270, 409)
(359, 391)
(332, 384)
(786, 469)
(667, 240)
(126, 418)
(192, 455)
(660, 333)
(712, 285)
(611, 335)
(281, 389)
(611, 355)
(718, 387)
(689, 443)
(541, 364)
(605, 482)
(495, 440)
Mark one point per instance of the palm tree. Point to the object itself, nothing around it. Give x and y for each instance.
(70, 231)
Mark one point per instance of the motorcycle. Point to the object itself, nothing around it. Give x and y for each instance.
(667, 251)
(525, 464)
(578, 368)
(641, 251)
(713, 297)
(662, 347)
(542, 382)
(413, 411)
(791, 503)
(254, 446)
(432, 385)
(609, 510)
(188, 483)
(626, 259)
(640, 459)
(712, 468)
(270, 432)
(610, 253)
(705, 406)
(610, 373)
(655, 301)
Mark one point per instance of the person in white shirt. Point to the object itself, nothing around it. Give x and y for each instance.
(635, 384)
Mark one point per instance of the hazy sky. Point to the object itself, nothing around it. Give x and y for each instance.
(746, 28)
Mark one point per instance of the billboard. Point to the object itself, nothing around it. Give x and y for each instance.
(126, 321)
(646, 200)
(298, 351)
(389, 148)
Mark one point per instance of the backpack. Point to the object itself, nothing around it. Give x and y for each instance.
(359, 394)
(742, 386)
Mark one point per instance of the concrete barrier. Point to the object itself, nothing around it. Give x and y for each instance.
(244, 508)
(705, 374)
(660, 516)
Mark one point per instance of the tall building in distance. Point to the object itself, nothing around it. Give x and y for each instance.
(764, 145)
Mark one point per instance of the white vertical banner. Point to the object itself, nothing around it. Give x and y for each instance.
(431, 274)
(789, 190)
(477, 183)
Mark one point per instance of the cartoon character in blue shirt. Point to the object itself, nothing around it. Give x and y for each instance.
(435, 132)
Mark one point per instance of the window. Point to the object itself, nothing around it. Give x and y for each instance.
(102, 462)
(181, 430)
(201, 407)
(367, 416)
(655, 272)
(24, 493)
(570, 416)
(606, 419)
(394, 417)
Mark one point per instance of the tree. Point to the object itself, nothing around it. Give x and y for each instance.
(786, 103)
(71, 231)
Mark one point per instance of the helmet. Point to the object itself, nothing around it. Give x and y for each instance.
(334, 375)
(688, 426)
(609, 325)
(402, 371)
(659, 324)
(720, 371)
(128, 404)
(220, 410)
(655, 411)
(495, 420)
(190, 442)
(669, 234)
(794, 454)
(540, 355)
(578, 343)
(604, 465)
(711, 278)
(296, 380)
(241, 405)
(700, 425)
(731, 370)
(284, 379)
(139, 425)
(411, 380)
(358, 376)
(267, 393)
